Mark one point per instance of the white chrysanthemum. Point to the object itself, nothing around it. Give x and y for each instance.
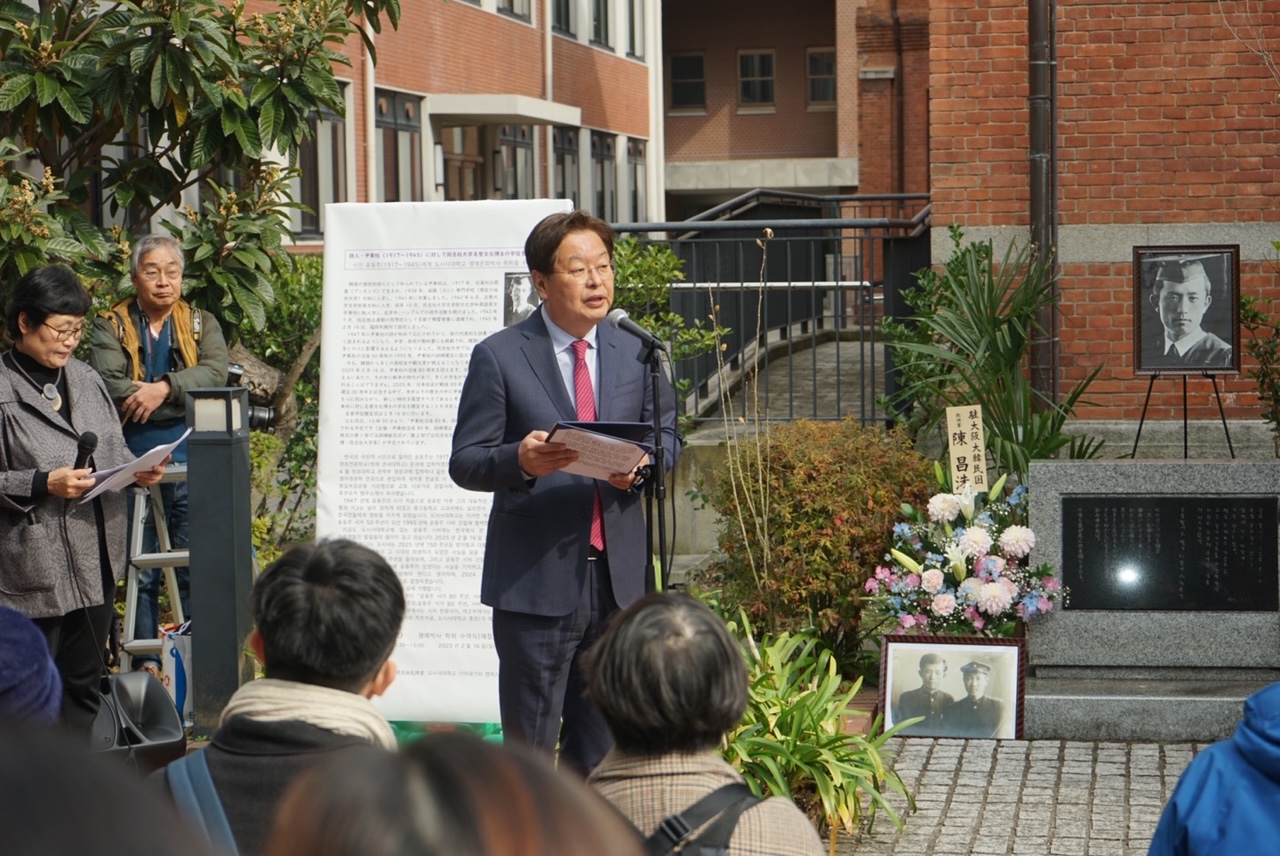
(944, 604)
(931, 581)
(975, 542)
(1010, 586)
(993, 599)
(968, 589)
(943, 508)
(1017, 541)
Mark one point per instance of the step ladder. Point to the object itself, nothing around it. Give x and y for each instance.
(166, 558)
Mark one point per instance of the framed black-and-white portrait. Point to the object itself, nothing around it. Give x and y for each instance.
(957, 686)
(1186, 309)
(520, 298)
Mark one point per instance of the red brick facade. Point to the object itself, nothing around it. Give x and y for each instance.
(1168, 126)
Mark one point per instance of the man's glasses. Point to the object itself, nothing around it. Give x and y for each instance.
(154, 274)
(603, 272)
(66, 335)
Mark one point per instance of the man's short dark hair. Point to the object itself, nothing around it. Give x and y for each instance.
(328, 613)
(545, 239)
(667, 676)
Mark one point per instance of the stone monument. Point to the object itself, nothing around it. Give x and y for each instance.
(1174, 613)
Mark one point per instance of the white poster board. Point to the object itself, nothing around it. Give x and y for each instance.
(409, 288)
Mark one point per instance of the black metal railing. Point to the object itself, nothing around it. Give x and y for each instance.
(802, 301)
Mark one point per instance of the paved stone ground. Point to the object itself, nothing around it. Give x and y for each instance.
(1027, 798)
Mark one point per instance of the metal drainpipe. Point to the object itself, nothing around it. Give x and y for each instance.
(900, 87)
(1042, 71)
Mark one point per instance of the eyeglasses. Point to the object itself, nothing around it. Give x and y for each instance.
(65, 335)
(603, 272)
(153, 274)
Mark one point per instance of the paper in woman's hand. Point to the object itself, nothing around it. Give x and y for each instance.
(119, 478)
(603, 448)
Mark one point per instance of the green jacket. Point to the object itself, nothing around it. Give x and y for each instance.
(107, 355)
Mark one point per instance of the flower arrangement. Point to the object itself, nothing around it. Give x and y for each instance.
(962, 566)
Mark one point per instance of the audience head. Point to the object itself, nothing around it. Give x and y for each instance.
(57, 799)
(447, 795)
(667, 676)
(30, 688)
(328, 614)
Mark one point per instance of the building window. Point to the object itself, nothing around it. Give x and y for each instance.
(637, 177)
(604, 172)
(562, 16)
(635, 28)
(515, 164)
(399, 124)
(564, 145)
(463, 163)
(755, 77)
(688, 82)
(515, 8)
(600, 22)
(822, 75)
(322, 170)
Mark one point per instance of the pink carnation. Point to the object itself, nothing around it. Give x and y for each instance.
(907, 621)
(872, 586)
(944, 604)
(932, 581)
(1052, 584)
(882, 573)
(913, 581)
(1009, 585)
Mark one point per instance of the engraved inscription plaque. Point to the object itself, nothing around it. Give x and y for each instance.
(1171, 553)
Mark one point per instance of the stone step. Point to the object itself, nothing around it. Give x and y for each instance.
(1200, 711)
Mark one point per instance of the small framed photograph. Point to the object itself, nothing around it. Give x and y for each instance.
(962, 686)
(520, 298)
(1186, 310)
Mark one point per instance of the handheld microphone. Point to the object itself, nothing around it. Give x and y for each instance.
(618, 318)
(86, 447)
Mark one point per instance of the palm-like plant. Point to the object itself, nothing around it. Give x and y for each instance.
(792, 742)
(968, 343)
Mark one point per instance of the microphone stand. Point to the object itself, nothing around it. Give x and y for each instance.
(656, 486)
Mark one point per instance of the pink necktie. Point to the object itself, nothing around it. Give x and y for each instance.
(585, 399)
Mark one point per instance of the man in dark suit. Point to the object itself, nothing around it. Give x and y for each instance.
(928, 700)
(1181, 295)
(975, 715)
(563, 552)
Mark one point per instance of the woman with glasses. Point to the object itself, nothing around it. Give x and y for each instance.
(59, 559)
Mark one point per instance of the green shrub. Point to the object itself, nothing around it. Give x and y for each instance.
(806, 510)
(1263, 345)
(792, 742)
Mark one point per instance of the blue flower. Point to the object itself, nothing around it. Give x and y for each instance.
(1015, 498)
(902, 530)
(986, 519)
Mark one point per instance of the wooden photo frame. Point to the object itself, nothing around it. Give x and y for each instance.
(1186, 310)
(963, 686)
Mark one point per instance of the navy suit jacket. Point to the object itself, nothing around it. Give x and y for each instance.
(535, 558)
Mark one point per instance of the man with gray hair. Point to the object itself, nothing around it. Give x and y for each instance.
(150, 349)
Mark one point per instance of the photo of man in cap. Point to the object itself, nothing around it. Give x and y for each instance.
(975, 715)
(928, 700)
(1180, 294)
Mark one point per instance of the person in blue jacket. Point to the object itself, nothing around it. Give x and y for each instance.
(1228, 799)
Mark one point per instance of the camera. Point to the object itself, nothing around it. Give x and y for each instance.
(260, 418)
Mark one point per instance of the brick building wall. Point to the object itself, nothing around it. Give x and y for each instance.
(1168, 133)
(611, 90)
(719, 29)
(878, 103)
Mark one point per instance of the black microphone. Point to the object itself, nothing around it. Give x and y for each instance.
(88, 443)
(618, 318)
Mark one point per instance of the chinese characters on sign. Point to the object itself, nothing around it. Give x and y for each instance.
(967, 442)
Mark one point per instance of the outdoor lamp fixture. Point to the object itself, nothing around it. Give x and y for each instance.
(220, 410)
(439, 165)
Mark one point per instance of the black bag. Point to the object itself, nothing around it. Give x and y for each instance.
(729, 802)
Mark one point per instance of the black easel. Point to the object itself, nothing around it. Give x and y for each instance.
(655, 486)
(1217, 394)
